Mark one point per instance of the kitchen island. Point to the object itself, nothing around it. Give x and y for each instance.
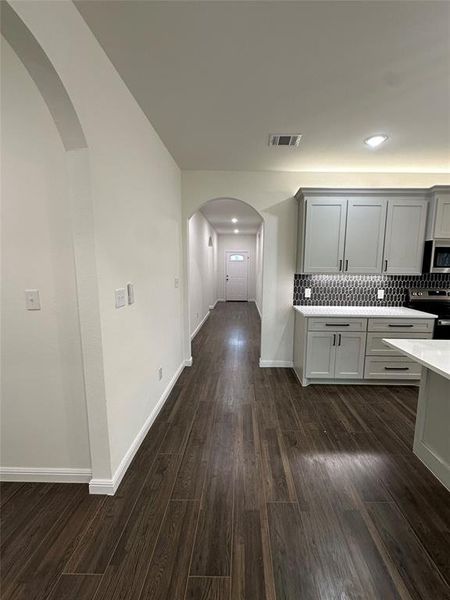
(432, 432)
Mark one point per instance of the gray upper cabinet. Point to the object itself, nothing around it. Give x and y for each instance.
(405, 235)
(366, 219)
(442, 223)
(324, 235)
(368, 231)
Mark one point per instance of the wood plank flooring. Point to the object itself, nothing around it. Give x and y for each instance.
(247, 487)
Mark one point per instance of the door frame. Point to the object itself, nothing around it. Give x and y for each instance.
(226, 253)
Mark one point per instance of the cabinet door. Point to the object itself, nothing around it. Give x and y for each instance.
(405, 236)
(442, 222)
(320, 354)
(364, 238)
(324, 235)
(350, 351)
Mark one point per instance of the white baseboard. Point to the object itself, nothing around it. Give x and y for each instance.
(213, 306)
(276, 363)
(50, 475)
(199, 326)
(109, 486)
(220, 300)
(188, 362)
(257, 308)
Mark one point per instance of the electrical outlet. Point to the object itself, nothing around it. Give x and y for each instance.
(120, 297)
(380, 295)
(32, 300)
(130, 292)
(307, 292)
(160, 373)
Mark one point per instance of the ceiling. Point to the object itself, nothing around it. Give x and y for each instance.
(215, 78)
(220, 212)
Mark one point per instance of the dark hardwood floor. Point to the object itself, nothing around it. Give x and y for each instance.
(247, 487)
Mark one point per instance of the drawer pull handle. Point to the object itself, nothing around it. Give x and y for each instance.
(396, 368)
(391, 325)
(337, 324)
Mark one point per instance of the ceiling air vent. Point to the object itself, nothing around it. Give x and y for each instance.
(291, 140)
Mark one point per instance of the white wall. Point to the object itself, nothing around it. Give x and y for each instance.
(259, 268)
(44, 422)
(231, 243)
(271, 194)
(202, 269)
(136, 205)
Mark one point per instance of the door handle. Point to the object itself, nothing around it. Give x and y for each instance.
(340, 337)
(346, 264)
(385, 264)
(334, 339)
(340, 264)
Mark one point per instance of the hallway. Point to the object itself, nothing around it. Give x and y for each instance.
(247, 486)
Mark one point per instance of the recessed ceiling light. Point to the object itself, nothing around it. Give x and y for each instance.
(236, 231)
(234, 220)
(376, 140)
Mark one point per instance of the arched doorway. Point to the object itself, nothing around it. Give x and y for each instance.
(224, 259)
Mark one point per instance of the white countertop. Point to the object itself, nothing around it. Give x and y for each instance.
(433, 354)
(363, 311)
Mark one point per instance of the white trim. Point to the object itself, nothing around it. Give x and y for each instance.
(258, 309)
(188, 362)
(199, 326)
(109, 486)
(276, 363)
(50, 474)
(213, 306)
(220, 300)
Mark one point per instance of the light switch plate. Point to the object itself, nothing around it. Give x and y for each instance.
(380, 294)
(121, 297)
(307, 292)
(32, 300)
(130, 293)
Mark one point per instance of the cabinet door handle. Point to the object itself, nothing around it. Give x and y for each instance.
(346, 264)
(340, 337)
(396, 368)
(334, 339)
(337, 324)
(399, 325)
(385, 264)
(340, 264)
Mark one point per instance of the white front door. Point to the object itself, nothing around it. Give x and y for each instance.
(236, 267)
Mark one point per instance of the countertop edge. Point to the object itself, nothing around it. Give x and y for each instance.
(418, 314)
(391, 343)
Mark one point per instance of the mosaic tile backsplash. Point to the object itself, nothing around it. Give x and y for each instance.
(361, 290)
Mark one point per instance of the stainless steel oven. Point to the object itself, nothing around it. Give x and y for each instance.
(436, 256)
(436, 302)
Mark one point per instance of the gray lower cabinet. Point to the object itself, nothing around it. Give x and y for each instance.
(320, 355)
(339, 349)
(335, 355)
(350, 352)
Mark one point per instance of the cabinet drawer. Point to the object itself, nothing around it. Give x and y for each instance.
(401, 325)
(376, 346)
(336, 324)
(378, 367)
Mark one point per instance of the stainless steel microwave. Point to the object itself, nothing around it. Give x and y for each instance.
(436, 257)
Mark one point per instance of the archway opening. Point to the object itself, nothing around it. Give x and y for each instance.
(225, 240)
